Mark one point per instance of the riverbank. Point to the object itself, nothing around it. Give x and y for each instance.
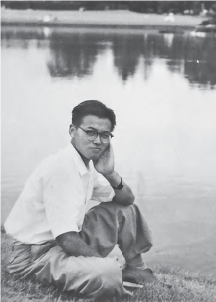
(115, 19)
(185, 287)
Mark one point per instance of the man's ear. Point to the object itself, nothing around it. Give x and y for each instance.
(72, 129)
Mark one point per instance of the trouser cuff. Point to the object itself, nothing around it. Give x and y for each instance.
(136, 261)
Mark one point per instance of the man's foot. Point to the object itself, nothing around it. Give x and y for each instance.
(136, 275)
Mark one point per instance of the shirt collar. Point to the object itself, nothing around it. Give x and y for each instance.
(78, 160)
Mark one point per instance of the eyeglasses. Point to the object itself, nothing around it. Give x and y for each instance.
(93, 134)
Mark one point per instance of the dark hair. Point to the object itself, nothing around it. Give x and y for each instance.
(92, 107)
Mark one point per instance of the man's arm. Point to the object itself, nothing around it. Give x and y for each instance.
(123, 196)
(105, 165)
(73, 245)
(60, 189)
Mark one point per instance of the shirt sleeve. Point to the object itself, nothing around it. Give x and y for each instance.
(103, 191)
(63, 200)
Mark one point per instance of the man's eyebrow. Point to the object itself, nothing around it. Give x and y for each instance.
(92, 128)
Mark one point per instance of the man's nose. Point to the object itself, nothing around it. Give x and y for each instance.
(97, 140)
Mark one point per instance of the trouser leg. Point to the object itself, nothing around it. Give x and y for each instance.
(109, 224)
(87, 276)
(105, 226)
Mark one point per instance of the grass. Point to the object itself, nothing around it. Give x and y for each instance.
(185, 286)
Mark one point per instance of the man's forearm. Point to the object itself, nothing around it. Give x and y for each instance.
(123, 196)
(73, 245)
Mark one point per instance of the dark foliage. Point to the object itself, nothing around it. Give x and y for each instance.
(192, 7)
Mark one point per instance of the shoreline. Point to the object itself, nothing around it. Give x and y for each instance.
(97, 19)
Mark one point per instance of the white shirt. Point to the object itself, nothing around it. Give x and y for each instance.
(55, 198)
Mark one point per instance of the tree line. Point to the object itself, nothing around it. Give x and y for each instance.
(158, 7)
(174, 6)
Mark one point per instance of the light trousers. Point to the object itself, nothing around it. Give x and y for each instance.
(104, 226)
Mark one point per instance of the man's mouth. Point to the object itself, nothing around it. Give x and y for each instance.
(96, 148)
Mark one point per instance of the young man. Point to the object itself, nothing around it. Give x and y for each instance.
(55, 240)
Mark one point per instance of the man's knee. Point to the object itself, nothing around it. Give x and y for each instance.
(109, 275)
(99, 277)
(113, 208)
(114, 205)
(108, 270)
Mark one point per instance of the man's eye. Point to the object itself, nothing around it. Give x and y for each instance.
(105, 136)
(91, 133)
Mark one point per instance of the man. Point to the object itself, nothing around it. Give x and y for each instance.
(55, 240)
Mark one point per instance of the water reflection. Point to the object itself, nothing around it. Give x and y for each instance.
(72, 55)
(165, 140)
(74, 52)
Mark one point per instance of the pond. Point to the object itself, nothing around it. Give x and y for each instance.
(162, 88)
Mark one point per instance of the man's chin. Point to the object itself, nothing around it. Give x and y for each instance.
(95, 156)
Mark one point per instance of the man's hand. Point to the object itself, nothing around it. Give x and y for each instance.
(105, 163)
(73, 245)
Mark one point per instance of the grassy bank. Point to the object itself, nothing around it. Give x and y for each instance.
(185, 287)
(96, 19)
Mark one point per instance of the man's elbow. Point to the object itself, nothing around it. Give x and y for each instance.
(127, 201)
(131, 199)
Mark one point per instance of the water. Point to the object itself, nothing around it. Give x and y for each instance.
(162, 88)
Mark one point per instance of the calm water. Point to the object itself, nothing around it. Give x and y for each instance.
(162, 88)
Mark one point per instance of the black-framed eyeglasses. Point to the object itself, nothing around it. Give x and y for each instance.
(93, 134)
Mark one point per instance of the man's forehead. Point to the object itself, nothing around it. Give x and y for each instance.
(95, 122)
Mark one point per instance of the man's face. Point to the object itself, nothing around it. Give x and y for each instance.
(90, 149)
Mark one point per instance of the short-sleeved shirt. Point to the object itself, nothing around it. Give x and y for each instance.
(55, 198)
